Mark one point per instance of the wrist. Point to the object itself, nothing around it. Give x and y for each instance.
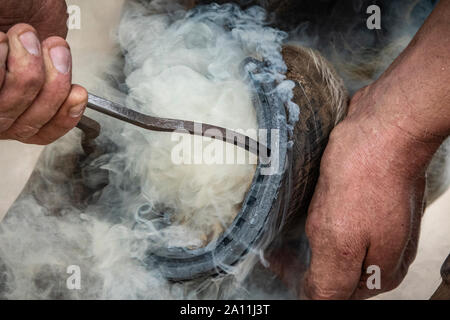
(407, 104)
(415, 87)
(397, 145)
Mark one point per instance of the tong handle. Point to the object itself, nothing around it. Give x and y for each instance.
(115, 110)
(90, 127)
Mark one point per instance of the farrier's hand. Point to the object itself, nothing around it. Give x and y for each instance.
(38, 103)
(368, 202)
(48, 17)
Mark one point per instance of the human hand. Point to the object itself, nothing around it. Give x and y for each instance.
(48, 17)
(368, 201)
(38, 103)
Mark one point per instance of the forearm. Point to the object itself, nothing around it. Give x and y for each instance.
(420, 78)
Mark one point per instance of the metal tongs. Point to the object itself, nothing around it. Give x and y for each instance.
(125, 114)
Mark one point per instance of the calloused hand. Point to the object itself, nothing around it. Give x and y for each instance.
(368, 203)
(38, 103)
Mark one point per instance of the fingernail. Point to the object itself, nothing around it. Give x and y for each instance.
(76, 111)
(3, 53)
(31, 43)
(61, 59)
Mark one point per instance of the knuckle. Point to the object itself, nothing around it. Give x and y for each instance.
(62, 90)
(318, 292)
(45, 139)
(54, 94)
(5, 124)
(55, 39)
(339, 132)
(323, 224)
(33, 79)
(78, 95)
(336, 132)
(19, 28)
(62, 125)
(22, 131)
(313, 228)
(30, 80)
(343, 239)
(3, 36)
